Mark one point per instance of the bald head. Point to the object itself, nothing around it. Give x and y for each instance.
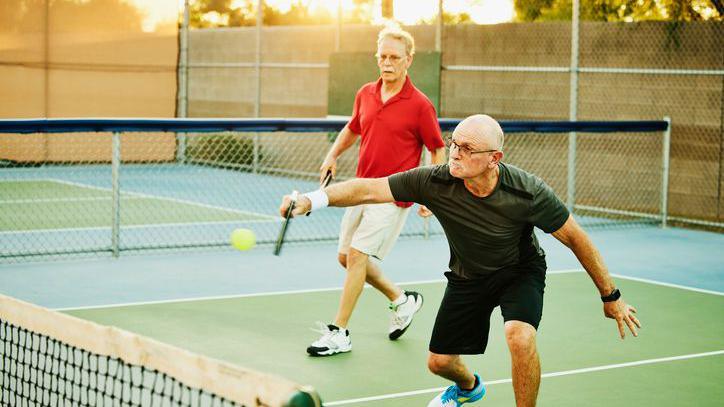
(482, 129)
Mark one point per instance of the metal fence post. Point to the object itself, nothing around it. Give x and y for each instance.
(257, 61)
(183, 82)
(573, 110)
(255, 152)
(338, 28)
(116, 191)
(665, 172)
(426, 159)
(439, 27)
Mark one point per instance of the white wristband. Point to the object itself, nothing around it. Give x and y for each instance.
(319, 199)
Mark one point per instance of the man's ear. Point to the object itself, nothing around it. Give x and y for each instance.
(497, 157)
(409, 62)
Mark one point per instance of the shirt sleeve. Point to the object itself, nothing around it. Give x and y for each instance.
(429, 128)
(409, 186)
(548, 212)
(354, 122)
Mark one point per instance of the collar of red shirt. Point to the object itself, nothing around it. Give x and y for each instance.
(404, 93)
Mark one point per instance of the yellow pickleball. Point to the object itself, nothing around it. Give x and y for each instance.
(243, 239)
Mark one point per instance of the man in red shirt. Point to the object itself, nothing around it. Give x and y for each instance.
(394, 120)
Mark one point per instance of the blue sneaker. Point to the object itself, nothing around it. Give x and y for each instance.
(454, 396)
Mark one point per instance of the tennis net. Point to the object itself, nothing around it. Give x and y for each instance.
(98, 187)
(52, 359)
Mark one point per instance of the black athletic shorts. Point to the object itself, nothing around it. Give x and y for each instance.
(463, 320)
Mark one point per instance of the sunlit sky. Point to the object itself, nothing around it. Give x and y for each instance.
(406, 11)
(411, 11)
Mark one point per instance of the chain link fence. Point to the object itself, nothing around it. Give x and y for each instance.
(109, 193)
(565, 69)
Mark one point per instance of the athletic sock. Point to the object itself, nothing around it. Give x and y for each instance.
(400, 300)
(474, 385)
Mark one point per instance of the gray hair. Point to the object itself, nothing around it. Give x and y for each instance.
(393, 30)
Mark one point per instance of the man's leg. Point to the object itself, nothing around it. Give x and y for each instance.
(376, 279)
(403, 304)
(353, 283)
(526, 364)
(468, 387)
(452, 368)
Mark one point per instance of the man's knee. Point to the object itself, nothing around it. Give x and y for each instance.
(355, 257)
(520, 337)
(342, 258)
(438, 363)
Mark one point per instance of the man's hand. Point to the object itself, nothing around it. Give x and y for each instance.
(302, 206)
(329, 165)
(422, 211)
(623, 314)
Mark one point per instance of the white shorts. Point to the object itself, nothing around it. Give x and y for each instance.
(372, 229)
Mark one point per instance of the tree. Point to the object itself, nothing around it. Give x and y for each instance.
(221, 13)
(388, 9)
(298, 14)
(452, 19)
(201, 11)
(620, 10)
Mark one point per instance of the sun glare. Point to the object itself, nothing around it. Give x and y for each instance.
(407, 12)
(329, 6)
(413, 11)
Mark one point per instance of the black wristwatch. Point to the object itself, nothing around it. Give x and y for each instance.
(615, 295)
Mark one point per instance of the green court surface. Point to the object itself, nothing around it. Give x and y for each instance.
(50, 204)
(584, 362)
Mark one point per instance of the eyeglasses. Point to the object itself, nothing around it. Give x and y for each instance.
(393, 58)
(466, 151)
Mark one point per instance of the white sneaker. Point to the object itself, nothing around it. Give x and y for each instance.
(402, 314)
(333, 341)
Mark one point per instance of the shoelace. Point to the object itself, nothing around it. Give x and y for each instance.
(396, 319)
(394, 307)
(450, 394)
(327, 334)
(322, 328)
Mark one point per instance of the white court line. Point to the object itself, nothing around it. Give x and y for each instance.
(163, 198)
(144, 226)
(661, 283)
(264, 294)
(53, 200)
(545, 375)
(318, 290)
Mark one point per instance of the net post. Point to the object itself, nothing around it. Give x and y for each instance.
(116, 190)
(305, 396)
(665, 172)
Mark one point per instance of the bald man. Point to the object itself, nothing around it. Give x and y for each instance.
(488, 210)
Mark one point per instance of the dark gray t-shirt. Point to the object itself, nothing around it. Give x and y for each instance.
(485, 234)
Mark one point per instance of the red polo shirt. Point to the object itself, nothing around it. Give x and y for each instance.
(393, 133)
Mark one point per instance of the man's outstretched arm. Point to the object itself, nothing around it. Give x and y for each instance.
(348, 193)
(572, 235)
